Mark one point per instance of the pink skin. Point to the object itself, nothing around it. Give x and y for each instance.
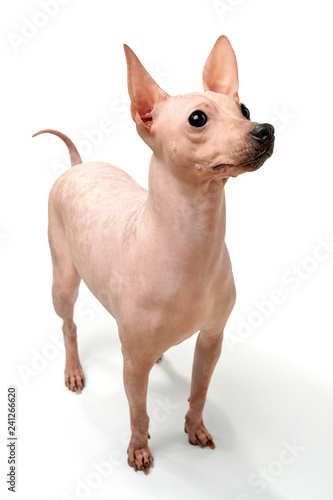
(157, 261)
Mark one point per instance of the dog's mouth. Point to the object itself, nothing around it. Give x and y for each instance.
(253, 162)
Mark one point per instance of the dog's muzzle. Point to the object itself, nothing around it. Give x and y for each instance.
(263, 134)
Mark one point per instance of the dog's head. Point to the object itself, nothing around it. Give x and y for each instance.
(202, 134)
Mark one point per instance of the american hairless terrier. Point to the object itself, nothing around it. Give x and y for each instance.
(157, 260)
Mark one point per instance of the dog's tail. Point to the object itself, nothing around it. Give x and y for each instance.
(73, 152)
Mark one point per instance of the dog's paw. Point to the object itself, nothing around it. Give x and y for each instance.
(198, 434)
(74, 378)
(140, 459)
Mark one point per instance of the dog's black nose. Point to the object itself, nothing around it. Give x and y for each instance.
(263, 132)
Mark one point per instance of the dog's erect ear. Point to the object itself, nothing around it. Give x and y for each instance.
(143, 90)
(220, 73)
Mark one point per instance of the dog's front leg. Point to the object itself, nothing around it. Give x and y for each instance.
(136, 374)
(207, 352)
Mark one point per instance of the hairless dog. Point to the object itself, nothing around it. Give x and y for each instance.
(157, 260)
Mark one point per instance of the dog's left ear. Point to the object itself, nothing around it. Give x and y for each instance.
(143, 90)
(220, 73)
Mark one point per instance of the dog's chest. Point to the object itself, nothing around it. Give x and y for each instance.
(177, 300)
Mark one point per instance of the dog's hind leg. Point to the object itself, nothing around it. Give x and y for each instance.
(65, 289)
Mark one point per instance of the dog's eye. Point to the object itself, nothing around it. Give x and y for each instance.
(197, 119)
(245, 111)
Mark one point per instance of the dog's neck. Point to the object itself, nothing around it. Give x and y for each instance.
(192, 217)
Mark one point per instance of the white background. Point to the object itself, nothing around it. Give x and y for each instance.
(273, 384)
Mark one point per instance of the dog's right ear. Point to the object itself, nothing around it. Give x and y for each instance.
(220, 73)
(143, 90)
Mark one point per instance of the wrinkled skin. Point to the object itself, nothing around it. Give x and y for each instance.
(157, 261)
